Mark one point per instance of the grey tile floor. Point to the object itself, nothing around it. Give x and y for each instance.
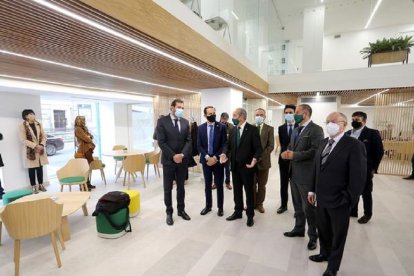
(210, 245)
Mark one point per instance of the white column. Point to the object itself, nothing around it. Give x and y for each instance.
(313, 25)
(223, 99)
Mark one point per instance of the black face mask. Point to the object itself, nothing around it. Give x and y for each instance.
(356, 124)
(211, 118)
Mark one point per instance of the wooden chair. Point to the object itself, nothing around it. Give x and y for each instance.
(118, 158)
(75, 172)
(97, 164)
(32, 219)
(133, 164)
(153, 158)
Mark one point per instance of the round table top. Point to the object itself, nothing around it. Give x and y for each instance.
(119, 153)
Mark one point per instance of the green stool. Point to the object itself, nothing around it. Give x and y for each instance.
(13, 195)
(106, 230)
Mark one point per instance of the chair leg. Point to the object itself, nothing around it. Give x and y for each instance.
(143, 179)
(129, 180)
(61, 188)
(158, 169)
(1, 227)
(116, 162)
(59, 234)
(125, 175)
(103, 176)
(147, 170)
(70, 188)
(16, 257)
(53, 239)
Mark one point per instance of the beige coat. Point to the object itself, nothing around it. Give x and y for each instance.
(40, 159)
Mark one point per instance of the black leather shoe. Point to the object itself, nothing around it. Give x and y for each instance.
(184, 215)
(312, 244)
(329, 273)
(170, 220)
(234, 216)
(353, 215)
(281, 210)
(205, 211)
(220, 212)
(318, 258)
(364, 219)
(410, 177)
(250, 222)
(292, 234)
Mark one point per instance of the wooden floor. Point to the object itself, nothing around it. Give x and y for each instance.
(210, 245)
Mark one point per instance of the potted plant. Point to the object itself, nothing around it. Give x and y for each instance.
(388, 50)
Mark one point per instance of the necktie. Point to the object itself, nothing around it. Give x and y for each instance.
(289, 130)
(176, 125)
(210, 140)
(238, 137)
(298, 134)
(326, 151)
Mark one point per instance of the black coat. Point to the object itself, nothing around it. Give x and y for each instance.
(373, 145)
(342, 178)
(284, 139)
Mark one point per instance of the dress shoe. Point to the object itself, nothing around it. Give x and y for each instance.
(353, 215)
(205, 211)
(234, 216)
(42, 188)
(364, 219)
(281, 210)
(260, 209)
(250, 222)
(329, 273)
(410, 177)
(318, 258)
(228, 186)
(220, 212)
(312, 244)
(213, 186)
(184, 215)
(170, 220)
(35, 190)
(292, 234)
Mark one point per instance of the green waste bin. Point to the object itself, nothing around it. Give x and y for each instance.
(107, 230)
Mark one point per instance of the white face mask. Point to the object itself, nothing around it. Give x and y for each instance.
(332, 129)
(259, 120)
(289, 117)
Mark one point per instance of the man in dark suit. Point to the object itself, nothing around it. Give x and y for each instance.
(301, 151)
(244, 150)
(375, 150)
(224, 119)
(173, 134)
(337, 181)
(211, 143)
(285, 133)
(267, 139)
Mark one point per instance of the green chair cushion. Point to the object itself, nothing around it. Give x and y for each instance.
(119, 158)
(13, 195)
(72, 179)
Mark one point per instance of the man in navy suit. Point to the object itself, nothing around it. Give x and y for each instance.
(375, 150)
(211, 143)
(338, 177)
(174, 139)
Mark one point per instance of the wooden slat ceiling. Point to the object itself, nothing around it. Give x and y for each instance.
(32, 30)
(348, 97)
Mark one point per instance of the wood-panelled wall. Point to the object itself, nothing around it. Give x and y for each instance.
(394, 118)
(192, 109)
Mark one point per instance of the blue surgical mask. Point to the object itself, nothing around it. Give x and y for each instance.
(259, 120)
(179, 112)
(289, 117)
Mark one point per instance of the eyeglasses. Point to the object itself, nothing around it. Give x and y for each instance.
(327, 122)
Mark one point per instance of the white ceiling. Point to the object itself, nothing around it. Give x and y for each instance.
(344, 15)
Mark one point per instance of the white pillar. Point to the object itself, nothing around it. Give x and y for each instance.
(223, 99)
(313, 26)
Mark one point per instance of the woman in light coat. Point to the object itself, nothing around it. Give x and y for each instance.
(33, 138)
(84, 140)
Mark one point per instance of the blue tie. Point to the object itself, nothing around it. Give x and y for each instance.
(210, 140)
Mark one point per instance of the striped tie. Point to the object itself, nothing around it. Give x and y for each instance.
(326, 151)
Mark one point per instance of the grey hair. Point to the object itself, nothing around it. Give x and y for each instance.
(343, 116)
(242, 112)
(261, 110)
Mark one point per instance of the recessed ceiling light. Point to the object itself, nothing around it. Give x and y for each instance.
(386, 90)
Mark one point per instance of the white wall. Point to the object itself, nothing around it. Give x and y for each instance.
(313, 25)
(107, 124)
(223, 99)
(11, 105)
(122, 134)
(343, 52)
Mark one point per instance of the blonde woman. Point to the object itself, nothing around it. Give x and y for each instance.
(85, 143)
(33, 139)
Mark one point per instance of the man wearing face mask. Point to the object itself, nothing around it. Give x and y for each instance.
(301, 152)
(338, 178)
(285, 133)
(173, 134)
(224, 119)
(211, 143)
(267, 139)
(244, 150)
(375, 150)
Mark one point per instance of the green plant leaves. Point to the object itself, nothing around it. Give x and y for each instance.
(388, 45)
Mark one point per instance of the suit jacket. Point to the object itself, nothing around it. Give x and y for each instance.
(373, 145)
(342, 178)
(250, 146)
(219, 141)
(284, 138)
(267, 139)
(171, 142)
(304, 152)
